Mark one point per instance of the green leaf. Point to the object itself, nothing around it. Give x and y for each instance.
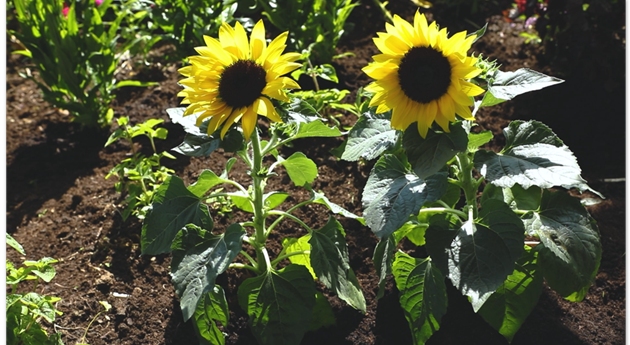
(393, 193)
(206, 181)
(540, 165)
(279, 304)
(522, 199)
(323, 315)
(15, 244)
(331, 263)
(429, 155)
(530, 132)
(499, 218)
(328, 72)
(508, 307)
(570, 250)
(300, 168)
(477, 139)
(371, 135)
(274, 199)
(188, 122)
(197, 143)
(173, 207)
(507, 85)
(242, 201)
(292, 245)
(198, 258)
(41, 305)
(336, 209)
(315, 129)
(136, 83)
(43, 268)
(475, 258)
(383, 259)
(213, 309)
(422, 295)
(479, 33)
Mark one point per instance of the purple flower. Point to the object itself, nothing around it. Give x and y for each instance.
(531, 21)
(98, 2)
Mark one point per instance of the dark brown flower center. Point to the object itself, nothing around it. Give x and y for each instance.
(424, 74)
(242, 83)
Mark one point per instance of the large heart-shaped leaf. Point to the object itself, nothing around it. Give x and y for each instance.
(393, 193)
(422, 295)
(331, 263)
(174, 206)
(213, 309)
(198, 258)
(570, 250)
(370, 137)
(279, 304)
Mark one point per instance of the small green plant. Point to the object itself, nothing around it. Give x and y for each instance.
(74, 50)
(317, 22)
(26, 310)
(106, 307)
(184, 23)
(139, 176)
(322, 100)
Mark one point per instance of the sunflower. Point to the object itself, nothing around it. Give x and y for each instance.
(421, 74)
(233, 79)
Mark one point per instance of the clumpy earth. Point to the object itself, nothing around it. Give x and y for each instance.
(60, 205)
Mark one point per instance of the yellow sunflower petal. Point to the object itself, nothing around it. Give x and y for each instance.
(470, 89)
(234, 117)
(257, 40)
(380, 70)
(240, 39)
(443, 122)
(218, 119)
(421, 29)
(249, 120)
(382, 108)
(446, 107)
(266, 108)
(215, 48)
(463, 111)
(432, 34)
(454, 43)
(459, 96)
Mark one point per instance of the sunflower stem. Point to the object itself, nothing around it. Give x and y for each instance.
(468, 182)
(259, 179)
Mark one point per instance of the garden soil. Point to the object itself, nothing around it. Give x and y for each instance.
(60, 205)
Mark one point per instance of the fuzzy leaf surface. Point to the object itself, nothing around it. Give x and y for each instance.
(300, 169)
(428, 155)
(393, 193)
(279, 304)
(198, 258)
(570, 250)
(508, 307)
(331, 263)
(371, 135)
(422, 295)
(213, 309)
(174, 206)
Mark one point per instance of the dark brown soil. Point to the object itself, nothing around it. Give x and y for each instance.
(60, 205)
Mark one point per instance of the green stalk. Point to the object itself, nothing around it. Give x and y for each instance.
(468, 182)
(259, 179)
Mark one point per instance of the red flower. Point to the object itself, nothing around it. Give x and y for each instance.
(65, 10)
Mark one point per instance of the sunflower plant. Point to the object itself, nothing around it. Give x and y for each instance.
(231, 82)
(494, 223)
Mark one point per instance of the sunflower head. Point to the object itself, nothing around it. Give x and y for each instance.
(421, 74)
(233, 78)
